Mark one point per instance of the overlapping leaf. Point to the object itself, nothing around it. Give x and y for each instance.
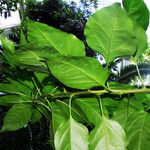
(78, 72)
(138, 11)
(17, 117)
(109, 32)
(108, 135)
(40, 34)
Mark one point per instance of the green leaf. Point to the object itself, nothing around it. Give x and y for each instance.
(41, 35)
(138, 11)
(30, 58)
(10, 99)
(16, 87)
(138, 130)
(71, 135)
(36, 116)
(141, 36)
(8, 49)
(108, 135)
(91, 107)
(78, 72)
(60, 113)
(17, 117)
(111, 31)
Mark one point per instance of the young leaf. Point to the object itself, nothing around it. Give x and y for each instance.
(137, 130)
(78, 72)
(108, 135)
(109, 32)
(17, 117)
(138, 11)
(43, 35)
(71, 135)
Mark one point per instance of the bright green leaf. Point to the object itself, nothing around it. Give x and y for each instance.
(17, 117)
(109, 135)
(138, 11)
(41, 35)
(109, 32)
(71, 135)
(78, 72)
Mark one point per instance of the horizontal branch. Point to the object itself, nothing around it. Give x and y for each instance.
(97, 92)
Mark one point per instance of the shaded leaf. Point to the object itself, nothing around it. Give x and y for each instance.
(90, 106)
(138, 11)
(17, 117)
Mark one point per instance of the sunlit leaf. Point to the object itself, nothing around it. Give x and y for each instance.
(108, 135)
(71, 135)
(78, 72)
(109, 32)
(41, 35)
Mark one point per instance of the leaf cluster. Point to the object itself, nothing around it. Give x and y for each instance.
(52, 77)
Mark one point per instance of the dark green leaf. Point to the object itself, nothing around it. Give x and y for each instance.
(138, 11)
(17, 117)
(10, 99)
(36, 116)
(109, 32)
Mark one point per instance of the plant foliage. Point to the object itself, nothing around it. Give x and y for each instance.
(51, 76)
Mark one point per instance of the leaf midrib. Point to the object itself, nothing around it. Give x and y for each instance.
(72, 65)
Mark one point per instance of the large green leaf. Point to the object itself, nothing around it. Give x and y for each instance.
(109, 32)
(138, 130)
(17, 117)
(71, 135)
(108, 135)
(78, 72)
(138, 11)
(40, 34)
